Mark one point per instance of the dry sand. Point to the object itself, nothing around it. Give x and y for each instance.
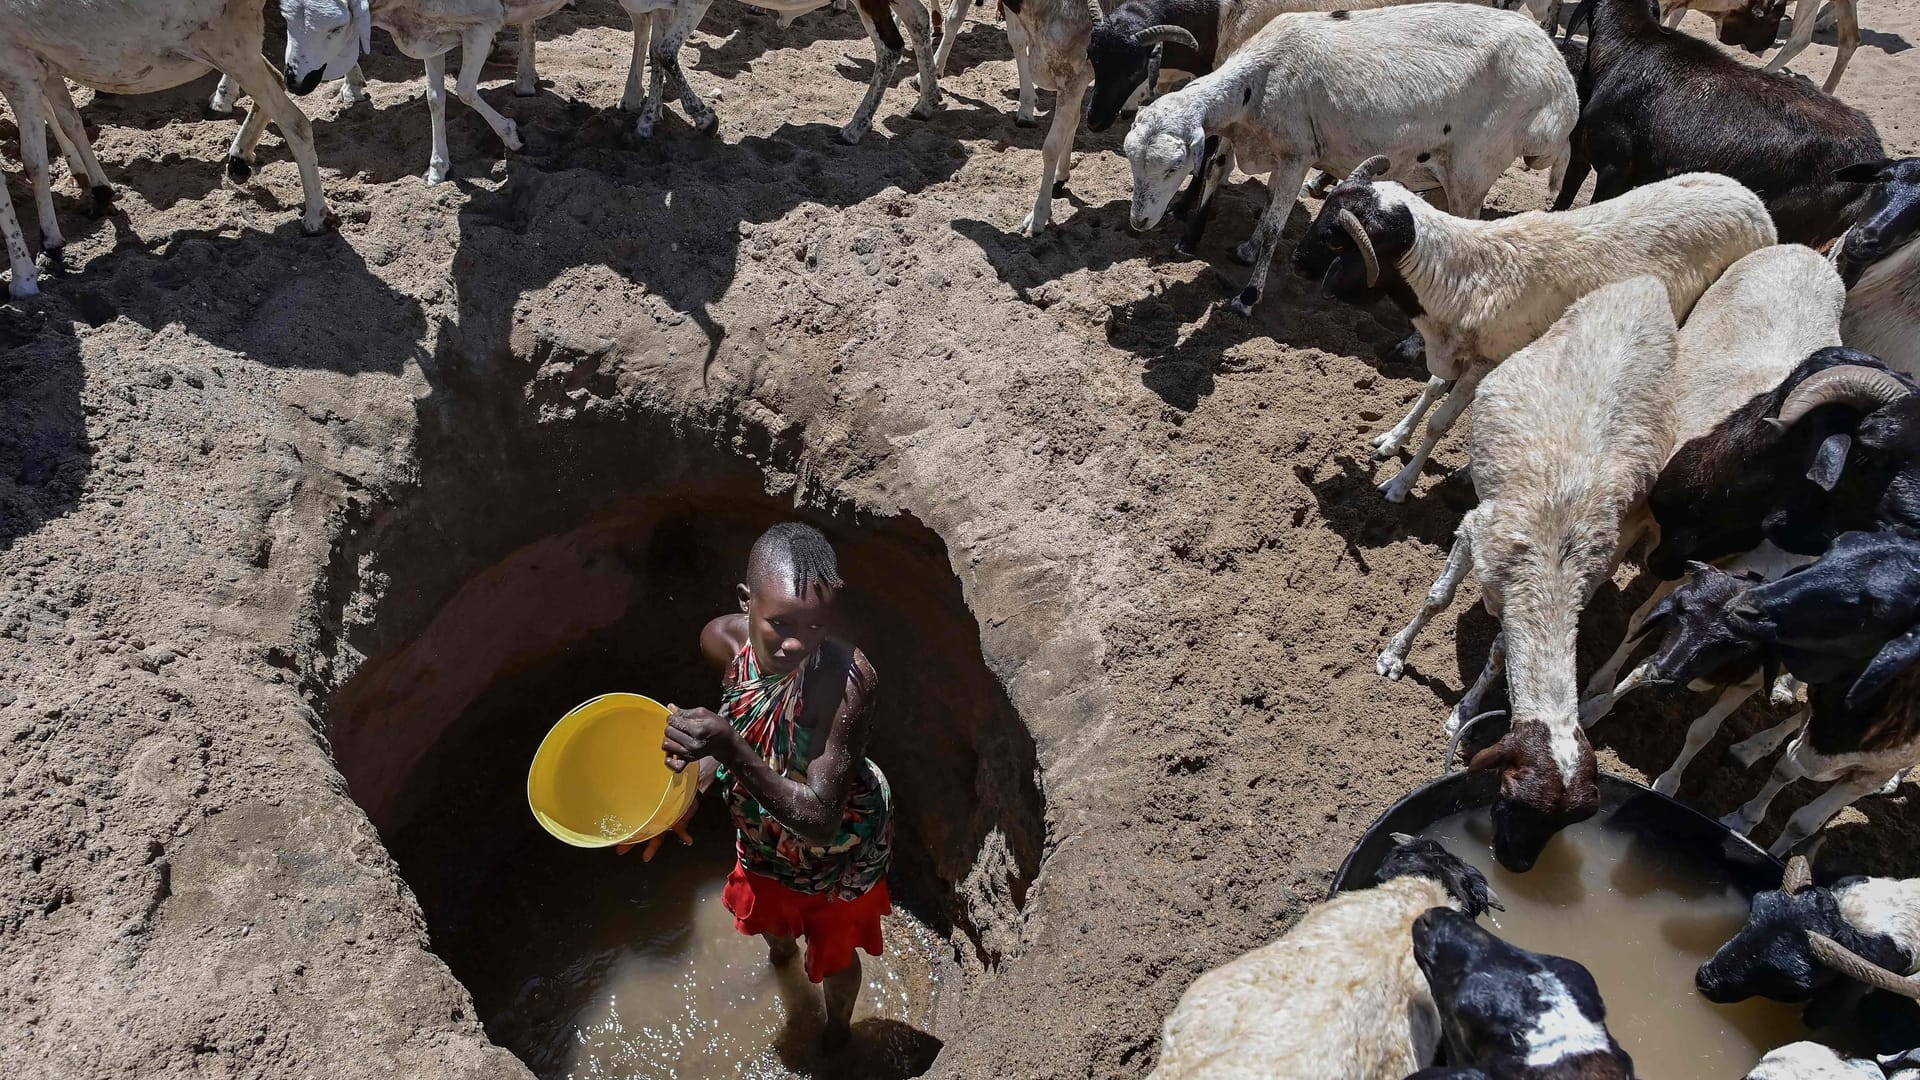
(1161, 514)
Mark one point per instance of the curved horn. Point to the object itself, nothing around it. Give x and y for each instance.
(1364, 242)
(1854, 966)
(1154, 35)
(1849, 384)
(1799, 875)
(1377, 165)
(1094, 9)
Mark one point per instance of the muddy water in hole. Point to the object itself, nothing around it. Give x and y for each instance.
(1641, 917)
(663, 986)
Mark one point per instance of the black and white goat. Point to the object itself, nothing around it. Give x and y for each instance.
(1656, 102)
(1802, 938)
(1812, 1061)
(1479, 290)
(1849, 627)
(1512, 1014)
(1879, 259)
(1355, 1003)
(1455, 93)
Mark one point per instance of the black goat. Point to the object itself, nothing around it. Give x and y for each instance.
(1510, 1013)
(1879, 260)
(1835, 447)
(1133, 42)
(1656, 103)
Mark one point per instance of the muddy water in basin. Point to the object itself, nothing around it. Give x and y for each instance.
(665, 987)
(1641, 916)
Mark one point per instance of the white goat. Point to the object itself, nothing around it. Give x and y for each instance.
(326, 38)
(661, 27)
(1340, 997)
(1571, 433)
(132, 47)
(1049, 40)
(1454, 93)
(1478, 290)
(1766, 314)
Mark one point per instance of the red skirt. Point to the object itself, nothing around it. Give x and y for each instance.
(833, 928)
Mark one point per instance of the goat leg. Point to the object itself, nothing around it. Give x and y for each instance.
(1396, 489)
(956, 18)
(1703, 729)
(1393, 440)
(526, 81)
(1055, 149)
(1814, 816)
(915, 17)
(1283, 190)
(26, 277)
(1785, 771)
(634, 97)
(1749, 751)
(1392, 661)
(1608, 672)
(439, 160)
(1802, 36)
(72, 133)
(1469, 705)
(1849, 17)
(475, 45)
(29, 114)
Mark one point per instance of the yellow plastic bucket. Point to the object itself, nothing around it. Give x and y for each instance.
(600, 777)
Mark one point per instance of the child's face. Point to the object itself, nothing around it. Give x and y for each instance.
(786, 629)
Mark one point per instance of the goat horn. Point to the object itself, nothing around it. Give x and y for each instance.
(1094, 9)
(1377, 165)
(1364, 242)
(1154, 35)
(1799, 875)
(1849, 384)
(1854, 966)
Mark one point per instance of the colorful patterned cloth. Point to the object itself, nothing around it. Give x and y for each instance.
(766, 711)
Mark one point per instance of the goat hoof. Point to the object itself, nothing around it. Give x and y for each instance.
(1664, 786)
(849, 136)
(1059, 189)
(238, 170)
(1390, 666)
(511, 137)
(55, 256)
(1243, 304)
(436, 174)
(102, 201)
(710, 125)
(328, 222)
(1025, 122)
(525, 91)
(921, 112)
(1395, 491)
(1243, 254)
(21, 290)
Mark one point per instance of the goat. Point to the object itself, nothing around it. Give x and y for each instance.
(1572, 431)
(1511, 1013)
(1454, 92)
(1049, 40)
(328, 37)
(1801, 938)
(1656, 102)
(1842, 454)
(1339, 996)
(1478, 290)
(661, 27)
(1812, 1061)
(1749, 330)
(135, 47)
(1849, 627)
(1754, 24)
(1879, 260)
(1131, 47)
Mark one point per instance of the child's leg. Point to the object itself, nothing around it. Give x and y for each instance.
(842, 989)
(780, 950)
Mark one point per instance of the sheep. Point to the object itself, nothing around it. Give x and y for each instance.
(1812, 1061)
(134, 47)
(1339, 996)
(1454, 92)
(1572, 431)
(1749, 330)
(1130, 48)
(661, 27)
(1879, 260)
(1849, 627)
(1802, 938)
(1478, 290)
(1510, 1013)
(1655, 102)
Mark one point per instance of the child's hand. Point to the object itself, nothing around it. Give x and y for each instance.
(652, 848)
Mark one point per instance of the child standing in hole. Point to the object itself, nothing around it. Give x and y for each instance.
(813, 816)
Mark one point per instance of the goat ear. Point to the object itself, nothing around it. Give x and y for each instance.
(1865, 172)
(1497, 756)
(1894, 658)
(1661, 612)
(1830, 460)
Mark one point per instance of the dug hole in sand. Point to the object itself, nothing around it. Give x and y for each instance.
(1136, 572)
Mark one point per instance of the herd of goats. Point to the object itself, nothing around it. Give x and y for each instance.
(1674, 373)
